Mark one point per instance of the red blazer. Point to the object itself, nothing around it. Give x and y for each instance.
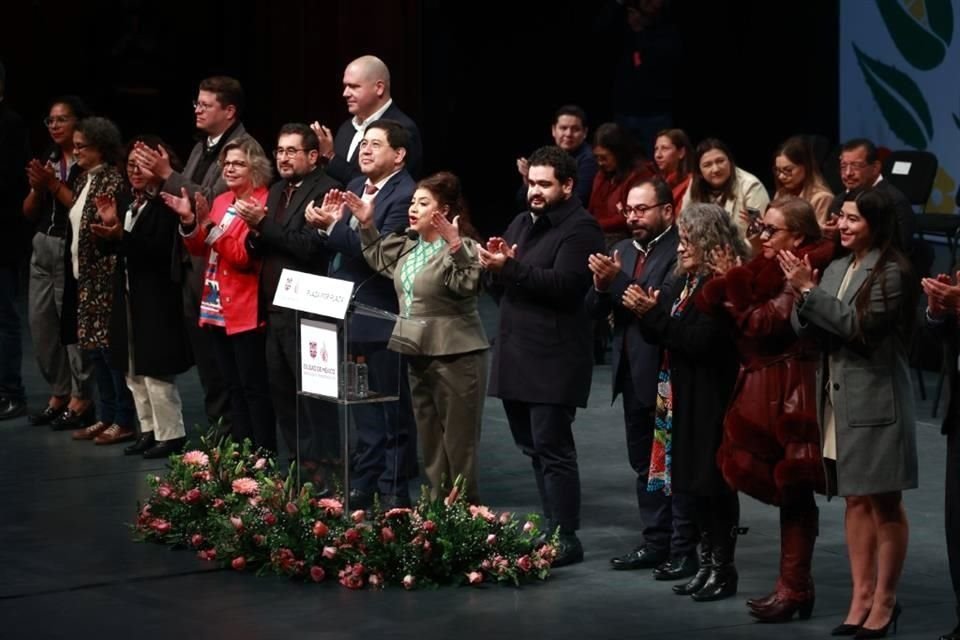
(237, 272)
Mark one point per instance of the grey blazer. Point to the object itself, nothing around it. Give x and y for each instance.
(868, 372)
(445, 294)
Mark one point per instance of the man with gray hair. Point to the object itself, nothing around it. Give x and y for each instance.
(366, 88)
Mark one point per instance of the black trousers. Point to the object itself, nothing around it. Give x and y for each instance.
(386, 446)
(216, 397)
(242, 360)
(668, 521)
(318, 436)
(952, 509)
(544, 433)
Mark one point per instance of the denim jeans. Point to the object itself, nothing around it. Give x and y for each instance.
(11, 349)
(115, 404)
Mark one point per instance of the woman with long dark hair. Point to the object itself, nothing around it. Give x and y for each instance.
(861, 314)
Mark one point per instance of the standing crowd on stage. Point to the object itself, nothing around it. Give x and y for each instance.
(759, 343)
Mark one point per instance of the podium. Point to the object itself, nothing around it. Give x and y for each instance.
(337, 339)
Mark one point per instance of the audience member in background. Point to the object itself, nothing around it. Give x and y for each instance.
(674, 156)
(437, 280)
(14, 153)
(366, 89)
(569, 132)
(795, 173)
(718, 179)
(88, 295)
(771, 439)
(217, 110)
(697, 372)
(148, 339)
(52, 179)
(860, 167)
(861, 313)
(229, 309)
(617, 162)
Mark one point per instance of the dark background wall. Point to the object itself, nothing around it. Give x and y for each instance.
(481, 79)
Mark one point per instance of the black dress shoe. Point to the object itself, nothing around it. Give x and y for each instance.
(640, 558)
(360, 499)
(11, 408)
(144, 442)
(71, 420)
(677, 568)
(46, 416)
(569, 550)
(165, 448)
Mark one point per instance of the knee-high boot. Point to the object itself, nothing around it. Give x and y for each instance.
(794, 592)
(700, 578)
(723, 578)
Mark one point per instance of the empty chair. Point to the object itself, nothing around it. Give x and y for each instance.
(913, 172)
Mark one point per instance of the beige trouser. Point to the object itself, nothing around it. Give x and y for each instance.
(158, 406)
(448, 394)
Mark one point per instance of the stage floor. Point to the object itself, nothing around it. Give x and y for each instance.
(68, 567)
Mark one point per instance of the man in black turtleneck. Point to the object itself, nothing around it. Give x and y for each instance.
(217, 109)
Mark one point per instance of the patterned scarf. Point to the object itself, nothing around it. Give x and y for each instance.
(413, 265)
(659, 477)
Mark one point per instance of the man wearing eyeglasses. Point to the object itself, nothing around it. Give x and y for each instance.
(860, 167)
(217, 110)
(280, 236)
(648, 258)
(366, 89)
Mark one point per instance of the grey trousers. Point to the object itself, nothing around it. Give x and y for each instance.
(64, 368)
(448, 394)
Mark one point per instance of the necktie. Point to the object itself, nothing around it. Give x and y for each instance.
(285, 198)
(370, 189)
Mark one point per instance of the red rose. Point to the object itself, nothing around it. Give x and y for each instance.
(320, 529)
(193, 496)
(291, 508)
(218, 503)
(317, 574)
(196, 539)
(207, 554)
(259, 539)
(524, 563)
(160, 525)
(239, 563)
(269, 519)
(329, 552)
(164, 491)
(429, 526)
(351, 535)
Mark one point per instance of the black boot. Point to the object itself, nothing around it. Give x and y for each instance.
(723, 578)
(700, 578)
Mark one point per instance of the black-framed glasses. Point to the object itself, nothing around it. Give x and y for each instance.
(49, 121)
(286, 152)
(200, 106)
(768, 230)
(784, 171)
(640, 209)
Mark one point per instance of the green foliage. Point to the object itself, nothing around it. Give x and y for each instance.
(923, 45)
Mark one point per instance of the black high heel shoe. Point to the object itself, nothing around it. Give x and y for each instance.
(845, 629)
(866, 632)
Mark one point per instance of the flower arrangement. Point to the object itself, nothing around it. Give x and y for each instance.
(230, 503)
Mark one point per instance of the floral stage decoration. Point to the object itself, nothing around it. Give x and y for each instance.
(232, 505)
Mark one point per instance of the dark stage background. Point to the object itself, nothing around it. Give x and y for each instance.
(481, 79)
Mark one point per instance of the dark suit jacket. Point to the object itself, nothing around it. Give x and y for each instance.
(344, 171)
(390, 214)
(160, 343)
(543, 352)
(288, 243)
(643, 358)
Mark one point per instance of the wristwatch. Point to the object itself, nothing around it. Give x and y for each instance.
(805, 293)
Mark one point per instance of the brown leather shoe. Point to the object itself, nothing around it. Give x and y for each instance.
(90, 432)
(114, 434)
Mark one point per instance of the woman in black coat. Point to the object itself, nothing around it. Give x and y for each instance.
(146, 323)
(698, 370)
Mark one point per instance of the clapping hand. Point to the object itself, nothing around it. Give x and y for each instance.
(943, 296)
(180, 205)
(496, 254)
(156, 162)
(639, 301)
(798, 272)
(250, 211)
(324, 137)
(40, 176)
(449, 231)
(604, 268)
(109, 226)
(362, 210)
(722, 259)
(324, 215)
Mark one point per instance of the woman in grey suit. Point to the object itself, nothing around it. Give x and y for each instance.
(437, 279)
(861, 313)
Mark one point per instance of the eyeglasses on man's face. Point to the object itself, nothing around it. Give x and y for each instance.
(287, 152)
(52, 121)
(640, 209)
(853, 166)
(203, 106)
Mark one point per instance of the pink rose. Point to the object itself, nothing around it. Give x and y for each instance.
(160, 525)
(196, 540)
(260, 464)
(351, 536)
(547, 552)
(474, 577)
(505, 517)
(491, 539)
(254, 501)
(376, 580)
(352, 576)
(329, 552)
(387, 535)
(500, 564)
(528, 526)
(429, 526)
(239, 563)
(203, 476)
(291, 508)
(358, 516)
(164, 491)
(218, 504)
(409, 582)
(317, 574)
(320, 529)
(236, 522)
(397, 512)
(524, 563)
(207, 554)
(269, 519)
(259, 539)
(193, 496)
